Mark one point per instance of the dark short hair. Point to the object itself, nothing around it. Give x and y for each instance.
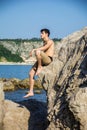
(45, 30)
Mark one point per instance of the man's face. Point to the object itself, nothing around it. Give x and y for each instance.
(43, 35)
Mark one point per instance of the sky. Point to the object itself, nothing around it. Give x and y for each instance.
(25, 18)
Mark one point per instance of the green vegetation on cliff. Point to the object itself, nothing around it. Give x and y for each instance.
(11, 50)
(8, 56)
(18, 41)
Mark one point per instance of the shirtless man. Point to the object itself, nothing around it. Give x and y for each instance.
(44, 57)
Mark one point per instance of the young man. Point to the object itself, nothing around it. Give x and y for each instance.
(44, 57)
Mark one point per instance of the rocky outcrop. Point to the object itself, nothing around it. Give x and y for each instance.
(15, 116)
(65, 81)
(25, 84)
(12, 115)
(25, 115)
(12, 84)
(1, 106)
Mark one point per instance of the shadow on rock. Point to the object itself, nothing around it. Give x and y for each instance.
(38, 114)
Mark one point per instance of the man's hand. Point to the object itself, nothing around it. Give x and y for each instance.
(31, 53)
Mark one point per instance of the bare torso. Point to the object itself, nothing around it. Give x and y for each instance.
(50, 50)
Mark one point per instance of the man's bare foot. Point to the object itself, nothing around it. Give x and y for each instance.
(29, 95)
(38, 70)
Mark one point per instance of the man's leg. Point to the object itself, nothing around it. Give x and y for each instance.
(38, 56)
(31, 80)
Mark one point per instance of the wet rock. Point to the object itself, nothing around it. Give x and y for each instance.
(25, 84)
(14, 83)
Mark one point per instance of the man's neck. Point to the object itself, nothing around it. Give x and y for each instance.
(46, 39)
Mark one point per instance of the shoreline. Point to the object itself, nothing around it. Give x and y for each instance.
(14, 63)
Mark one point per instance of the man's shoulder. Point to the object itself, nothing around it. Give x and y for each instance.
(51, 41)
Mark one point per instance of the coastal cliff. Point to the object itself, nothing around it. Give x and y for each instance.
(17, 51)
(65, 82)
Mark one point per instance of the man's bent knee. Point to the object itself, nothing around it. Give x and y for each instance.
(37, 52)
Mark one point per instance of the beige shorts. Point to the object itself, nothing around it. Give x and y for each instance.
(46, 60)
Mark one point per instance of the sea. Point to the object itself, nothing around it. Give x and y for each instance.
(14, 71)
(21, 72)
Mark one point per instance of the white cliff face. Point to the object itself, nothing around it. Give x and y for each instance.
(10, 45)
(22, 49)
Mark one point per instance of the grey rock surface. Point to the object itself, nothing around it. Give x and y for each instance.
(65, 81)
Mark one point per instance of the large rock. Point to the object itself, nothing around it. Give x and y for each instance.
(1, 105)
(12, 115)
(65, 80)
(78, 105)
(25, 84)
(16, 116)
(9, 84)
(12, 84)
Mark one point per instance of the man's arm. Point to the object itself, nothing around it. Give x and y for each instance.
(31, 52)
(45, 47)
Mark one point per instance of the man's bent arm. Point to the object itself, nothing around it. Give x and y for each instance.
(45, 47)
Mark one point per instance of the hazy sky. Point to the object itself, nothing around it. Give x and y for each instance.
(25, 18)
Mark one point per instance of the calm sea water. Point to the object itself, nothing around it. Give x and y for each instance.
(14, 71)
(20, 72)
(18, 95)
